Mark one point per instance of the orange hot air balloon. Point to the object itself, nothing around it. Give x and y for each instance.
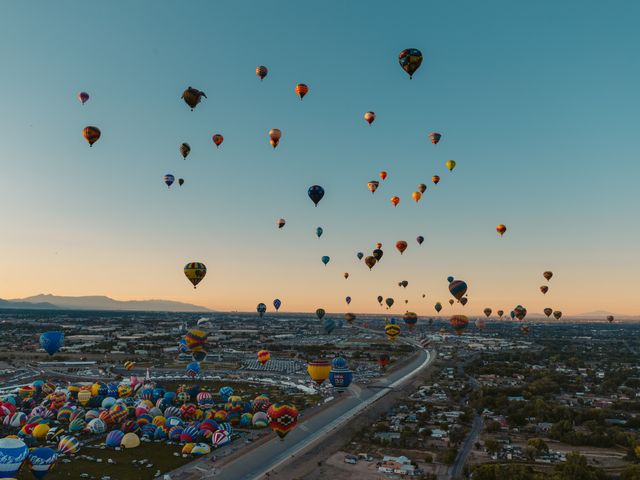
(435, 179)
(401, 245)
(261, 72)
(451, 301)
(378, 245)
(544, 289)
(369, 117)
(373, 185)
(274, 136)
(301, 90)
(263, 356)
(501, 229)
(217, 139)
(91, 134)
(416, 196)
(395, 200)
(383, 175)
(370, 261)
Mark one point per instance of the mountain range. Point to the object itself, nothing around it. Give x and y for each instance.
(98, 302)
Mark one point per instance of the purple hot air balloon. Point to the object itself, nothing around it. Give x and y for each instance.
(83, 97)
(419, 239)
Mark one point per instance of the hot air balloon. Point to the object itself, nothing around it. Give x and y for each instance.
(557, 314)
(410, 60)
(435, 179)
(438, 307)
(547, 275)
(263, 356)
(13, 452)
(41, 461)
(377, 254)
(419, 239)
(392, 329)
(195, 339)
(451, 301)
(416, 196)
(450, 164)
(548, 312)
(487, 311)
(464, 301)
(401, 246)
(610, 318)
(319, 370)
(274, 137)
(512, 314)
(192, 97)
(389, 301)
(276, 304)
(520, 312)
(181, 181)
(457, 288)
(459, 323)
(382, 175)
(395, 200)
(328, 325)
(195, 272)
(410, 319)
(500, 313)
(325, 259)
(261, 308)
(51, 341)
(435, 137)
(319, 232)
(349, 317)
(422, 187)
(83, 97)
(480, 323)
(185, 149)
(281, 222)
(345, 275)
(383, 360)
(380, 299)
(193, 369)
(369, 117)
(373, 185)
(129, 364)
(320, 313)
(283, 418)
(301, 90)
(348, 300)
(262, 72)
(169, 179)
(91, 134)
(404, 283)
(370, 261)
(544, 289)
(68, 445)
(217, 140)
(315, 192)
(359, 255)
(501, 229)
(340, 377)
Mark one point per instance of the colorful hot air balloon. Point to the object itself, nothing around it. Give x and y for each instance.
(520, 312)
(263, 356)
(410, 60)
(181, 181)
(392, 330)
(370, 261)
(320, 313)
(281, 222)
(319, 232)
(359, 255)
(217, 140)
(548, 311)
(487, 311)
(13, 452)
(193, 369)
(382, 175)
(51, 341)
(301, 90)
(283, 418)
(68, 445)
(195, 272)
(435, 137)
(401, 246)
(185, 149)
(544, 289)
(459, 323)
(168, 179)
(416, 196)
(319, 370)
(195, 339)
(547, 275)
(389, 301)
(276, 304)
(41, 461)
(410, 319)
(438, 307)
(610, 318)
(83, 97)
(340, 376)
(325, 259)
(557, 314)
(373, 185)
(450, 164)
(262, 72)
(501, 229)
(369, 117)
(419, 239)
(192, 97)
(457, 288)
(315, 192)
(129, 365)
(512, 314)
(274, 137)
(435, 179)
(422, 187)
(261, 309)
(395, 200)
(91, 134)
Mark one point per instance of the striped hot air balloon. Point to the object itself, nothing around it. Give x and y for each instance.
(392, 329)
(301, 90)
(195, 272)
(459, 323)
(319, 370)
(283, 418)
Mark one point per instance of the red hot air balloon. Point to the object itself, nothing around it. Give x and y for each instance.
(382, 175)
(395, 200)
(501, 229)
(274, 137)
(435, 179)
(217, 139)
(301, 90)
(401, 245)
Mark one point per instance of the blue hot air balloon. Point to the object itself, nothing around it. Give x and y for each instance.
(51, 341)
(41, 461)
(277, 303)
(319, 231)
(329, 325)
(193, 369)
(340, 378)
(225, 393)
(316, 192)
(339, 362)
(169, 179)
(325, 260)
(12, 453)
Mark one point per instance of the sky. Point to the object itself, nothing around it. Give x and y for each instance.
(538, 103)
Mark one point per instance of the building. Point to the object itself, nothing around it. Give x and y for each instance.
(400, 465)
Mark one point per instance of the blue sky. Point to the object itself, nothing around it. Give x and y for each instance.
(536, 101)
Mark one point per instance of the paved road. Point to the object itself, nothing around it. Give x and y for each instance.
(275, 452)
(458, 466)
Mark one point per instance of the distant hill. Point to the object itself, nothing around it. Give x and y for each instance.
(100, 302)
(27, 305)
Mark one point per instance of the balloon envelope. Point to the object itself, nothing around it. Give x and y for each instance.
(51, 341)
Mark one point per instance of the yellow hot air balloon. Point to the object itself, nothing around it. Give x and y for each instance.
(319, 370)
(84, 396)
(195, 272)
(40, 431)
(416, 196)
(450, 164)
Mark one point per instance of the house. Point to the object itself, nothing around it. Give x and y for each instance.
(400, 465)
(387, 436)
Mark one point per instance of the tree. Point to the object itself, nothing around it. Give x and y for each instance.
(631, 472)
(505, 472)
(539, 444)
(576, 467)
(492, 446)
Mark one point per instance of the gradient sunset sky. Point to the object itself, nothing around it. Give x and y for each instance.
(538, 102)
